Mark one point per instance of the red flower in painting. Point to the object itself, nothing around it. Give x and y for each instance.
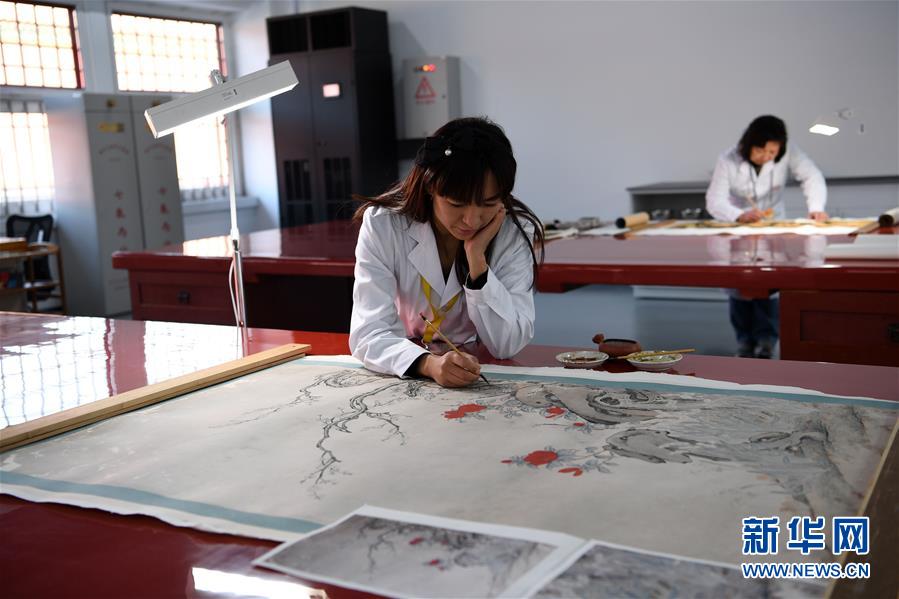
(554, 411)
(572, 471)
(539, 458)
(416, 541)
(578, 424)
(463, 410)
(564, 460)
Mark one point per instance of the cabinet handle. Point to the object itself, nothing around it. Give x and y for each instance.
(184, 297)
(893, 332)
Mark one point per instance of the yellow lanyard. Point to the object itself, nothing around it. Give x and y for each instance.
(437, 313)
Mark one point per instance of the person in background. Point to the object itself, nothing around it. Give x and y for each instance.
(747, 186)
(449, 241)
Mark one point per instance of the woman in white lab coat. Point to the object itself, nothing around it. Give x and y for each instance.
(449, 241)
(747, 186)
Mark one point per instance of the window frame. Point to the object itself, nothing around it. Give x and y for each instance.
(223, 20)
(96, 55)
(80, 78)
(5, 203)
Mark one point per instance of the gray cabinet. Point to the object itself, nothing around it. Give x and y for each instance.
(116, 189)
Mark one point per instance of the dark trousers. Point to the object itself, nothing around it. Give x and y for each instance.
(755, 321)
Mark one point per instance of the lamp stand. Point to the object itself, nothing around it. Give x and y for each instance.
(238, 302)
(240, 306)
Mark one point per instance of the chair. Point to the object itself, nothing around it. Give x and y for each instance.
(34, 229)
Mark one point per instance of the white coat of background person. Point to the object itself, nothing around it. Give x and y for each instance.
(747, 186)
(750, 173)
(451, 242)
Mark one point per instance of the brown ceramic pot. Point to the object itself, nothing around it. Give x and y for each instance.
(616, 347)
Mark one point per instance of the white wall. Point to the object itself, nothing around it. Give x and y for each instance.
(600, 96)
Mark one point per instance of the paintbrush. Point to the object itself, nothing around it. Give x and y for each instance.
(448, 342)
(766, 214)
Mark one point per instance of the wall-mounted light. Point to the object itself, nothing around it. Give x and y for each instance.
(831, 123)
(331, 90)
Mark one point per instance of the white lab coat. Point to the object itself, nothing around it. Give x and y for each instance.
(735, 180)
(393, 252)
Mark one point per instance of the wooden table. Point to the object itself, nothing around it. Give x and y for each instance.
(836, 310)
(15, 250)
(296, 278)
(63, 551)
(302, 277)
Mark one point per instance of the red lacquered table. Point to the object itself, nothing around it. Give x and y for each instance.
(62, 551)
(301, 278)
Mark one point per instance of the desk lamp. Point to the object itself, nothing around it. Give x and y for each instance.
(222, 99)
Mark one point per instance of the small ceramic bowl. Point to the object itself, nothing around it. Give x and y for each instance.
(582, 359)
(655, 363)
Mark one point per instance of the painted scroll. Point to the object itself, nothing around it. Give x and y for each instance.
(662, 463)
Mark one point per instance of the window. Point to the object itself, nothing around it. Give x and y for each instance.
(167, 55)
(38, 46)
(26, 172)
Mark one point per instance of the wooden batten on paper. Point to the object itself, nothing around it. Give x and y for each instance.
(879, 505)
(60, 422)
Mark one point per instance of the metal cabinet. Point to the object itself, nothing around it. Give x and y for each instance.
(116, 190)
(335, 133)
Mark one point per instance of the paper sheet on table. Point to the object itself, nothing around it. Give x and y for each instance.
(406, 554)
(605, 230)
(602, 569)
(880, 247)
(551, 234)
(805, 229)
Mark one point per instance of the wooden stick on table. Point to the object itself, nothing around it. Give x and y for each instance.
(637, 228)
(60, 422)
(872, 226)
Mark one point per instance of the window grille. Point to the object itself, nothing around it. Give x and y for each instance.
(26, 172)
(168, 55)
(39, 46)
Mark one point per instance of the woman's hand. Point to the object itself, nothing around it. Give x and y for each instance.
(818, 216)
(476, 247)
(751, 216)
(451, 369)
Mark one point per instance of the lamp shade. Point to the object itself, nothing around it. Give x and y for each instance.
(221, 99)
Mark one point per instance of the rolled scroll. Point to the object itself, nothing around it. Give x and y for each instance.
(632, 220)
(889, 218)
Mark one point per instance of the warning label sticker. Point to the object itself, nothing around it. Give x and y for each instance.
(425, 94)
